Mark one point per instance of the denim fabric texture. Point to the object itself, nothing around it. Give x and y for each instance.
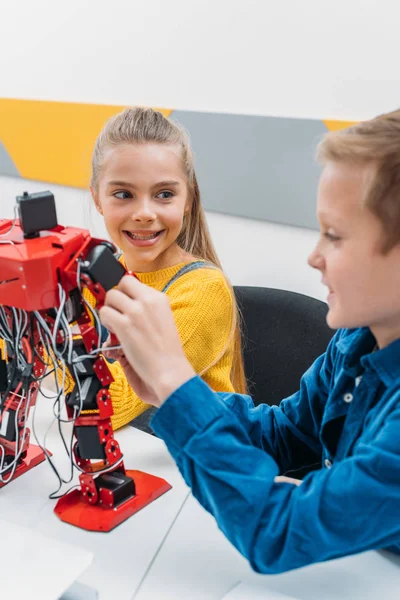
(345, 417)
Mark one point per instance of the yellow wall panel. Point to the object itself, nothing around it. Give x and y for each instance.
(53, 141)
(337, 125)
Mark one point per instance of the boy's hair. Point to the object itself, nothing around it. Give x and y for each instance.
(142, 126)
(376, 143)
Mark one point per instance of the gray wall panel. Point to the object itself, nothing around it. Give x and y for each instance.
(257, 167)
(7, 166)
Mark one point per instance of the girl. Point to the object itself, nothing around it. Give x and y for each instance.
(144, 185)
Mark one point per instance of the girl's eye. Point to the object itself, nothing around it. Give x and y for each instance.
(331, 236)
(122, 195)
(165, 195)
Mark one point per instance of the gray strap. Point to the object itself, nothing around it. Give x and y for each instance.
(193, 266)
(142, 422)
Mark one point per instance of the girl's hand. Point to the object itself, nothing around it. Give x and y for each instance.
(153, 358)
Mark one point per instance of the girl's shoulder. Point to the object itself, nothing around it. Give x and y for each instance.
(205, 288)
(199, 273)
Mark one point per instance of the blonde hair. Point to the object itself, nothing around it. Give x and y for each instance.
(375, 143)
(142, 126)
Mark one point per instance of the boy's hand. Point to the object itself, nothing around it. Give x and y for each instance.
(153, 358)
(111, 354)
(145, 393)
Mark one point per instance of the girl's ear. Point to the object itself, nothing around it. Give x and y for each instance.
(96, 200)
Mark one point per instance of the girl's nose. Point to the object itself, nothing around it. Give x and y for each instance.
(144, 213)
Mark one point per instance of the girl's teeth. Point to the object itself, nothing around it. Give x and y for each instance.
(135, 236)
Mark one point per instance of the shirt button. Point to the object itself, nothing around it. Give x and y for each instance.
(348, 398)
(327, 463)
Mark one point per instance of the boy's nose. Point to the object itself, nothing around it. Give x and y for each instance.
(316, 260)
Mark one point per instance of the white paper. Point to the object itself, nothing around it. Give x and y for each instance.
(35, 566)
(248, 590)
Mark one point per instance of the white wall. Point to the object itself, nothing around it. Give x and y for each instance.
(303, 58)
(300, 58)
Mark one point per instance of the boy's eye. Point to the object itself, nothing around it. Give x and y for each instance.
(122, 195)
(165, 195)
(331, 236)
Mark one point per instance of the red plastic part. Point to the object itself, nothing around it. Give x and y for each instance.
(30, 269)
(35, 456)
(73, 509)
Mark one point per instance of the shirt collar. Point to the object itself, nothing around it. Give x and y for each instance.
(357, 348)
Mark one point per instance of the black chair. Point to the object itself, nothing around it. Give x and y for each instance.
(283, 333)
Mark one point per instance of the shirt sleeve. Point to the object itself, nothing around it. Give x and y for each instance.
(352, 507)
(290, 432)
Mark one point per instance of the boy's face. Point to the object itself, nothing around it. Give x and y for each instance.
(363, 284)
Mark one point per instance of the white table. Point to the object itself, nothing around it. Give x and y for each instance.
(123, 555)
(197, 562)
(172, 549)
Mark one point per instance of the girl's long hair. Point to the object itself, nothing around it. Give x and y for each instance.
(145, 125)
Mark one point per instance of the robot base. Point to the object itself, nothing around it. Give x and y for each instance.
(35, 456)
(73, 509)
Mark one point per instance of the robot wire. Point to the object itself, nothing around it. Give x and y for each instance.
(12, 226)
(58, 357)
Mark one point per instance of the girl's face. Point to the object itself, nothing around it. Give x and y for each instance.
(143, 196)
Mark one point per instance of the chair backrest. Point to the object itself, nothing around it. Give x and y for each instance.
(283, 333)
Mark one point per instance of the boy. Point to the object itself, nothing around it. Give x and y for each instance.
(346, 415)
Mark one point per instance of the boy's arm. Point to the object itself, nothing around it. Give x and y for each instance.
(277, 526)
(290, 432)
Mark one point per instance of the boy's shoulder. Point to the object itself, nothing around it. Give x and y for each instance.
(351, 343)
(348, 335)
(342, 334)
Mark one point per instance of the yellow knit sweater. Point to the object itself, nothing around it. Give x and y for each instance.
(201, 302)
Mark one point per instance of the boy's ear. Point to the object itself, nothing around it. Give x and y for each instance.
(96, 200)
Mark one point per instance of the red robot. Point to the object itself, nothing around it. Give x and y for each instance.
(44, 268)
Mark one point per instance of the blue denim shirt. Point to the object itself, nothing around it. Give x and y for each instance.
(345, 417)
